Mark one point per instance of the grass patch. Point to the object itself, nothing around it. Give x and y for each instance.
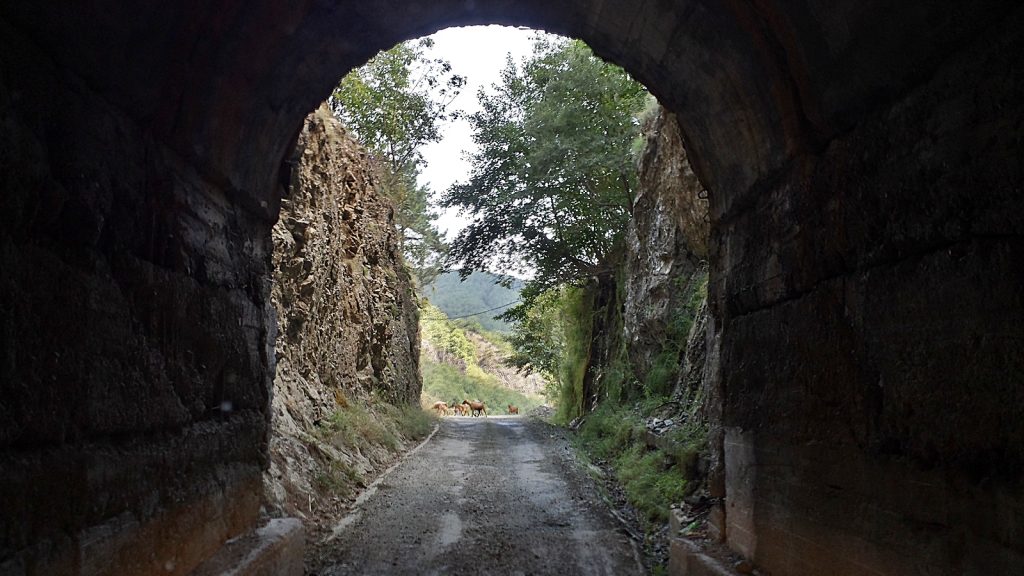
(356, 425)
(352, 425)
(412, 422)
(608, 429)
(448, 383)
(339, 479)
(652, 479)
(378, 431)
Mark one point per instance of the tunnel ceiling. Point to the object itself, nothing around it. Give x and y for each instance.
(227, 83)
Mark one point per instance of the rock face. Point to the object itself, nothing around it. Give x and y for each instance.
(347, 315)
(665, 271)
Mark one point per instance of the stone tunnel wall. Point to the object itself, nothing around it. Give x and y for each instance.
(136, 336)
(870, 302)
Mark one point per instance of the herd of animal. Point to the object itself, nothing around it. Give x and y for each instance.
(466, 408)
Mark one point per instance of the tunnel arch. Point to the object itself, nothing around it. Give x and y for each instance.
(855, 151)
(226, 82)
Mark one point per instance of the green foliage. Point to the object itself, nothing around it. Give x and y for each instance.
(653, 479)
(479, 291)
(395, 105)
(553, 181)
(445, 335)
(538, 339)
(553, 339)
(609, 429)
(577, 331)
(448, 383)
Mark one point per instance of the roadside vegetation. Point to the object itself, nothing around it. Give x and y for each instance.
(614, 436)
(550, 195)
(450, 369)
(375, 431)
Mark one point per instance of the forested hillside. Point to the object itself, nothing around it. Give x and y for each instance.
(466, 299)
(461, 363)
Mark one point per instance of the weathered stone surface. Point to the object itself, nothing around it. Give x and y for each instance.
(135, 339)
(664, 319)
(686, 558)
(671, 203)
(349, 323)
(348, 315)
(872, 318)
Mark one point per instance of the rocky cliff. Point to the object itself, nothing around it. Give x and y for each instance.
(665, 269)
(348, 321)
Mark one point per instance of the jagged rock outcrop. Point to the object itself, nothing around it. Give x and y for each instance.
(348, 320)
(665, 270)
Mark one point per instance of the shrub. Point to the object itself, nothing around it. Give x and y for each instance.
(652, 479)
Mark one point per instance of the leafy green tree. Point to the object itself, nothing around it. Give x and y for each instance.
(538, 339)
(552, 182)
(395, 104)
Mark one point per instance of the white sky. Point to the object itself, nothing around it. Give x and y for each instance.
(478, 53)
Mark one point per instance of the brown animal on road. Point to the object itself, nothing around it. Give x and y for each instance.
(513, 409)
(441, 407)
(462, 410)
(476, 407)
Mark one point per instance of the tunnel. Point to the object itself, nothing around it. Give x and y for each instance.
(864, 166)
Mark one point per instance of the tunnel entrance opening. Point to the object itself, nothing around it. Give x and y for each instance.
(327, 240)
(865, 261)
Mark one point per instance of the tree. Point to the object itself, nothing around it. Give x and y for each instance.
(395, 104)
(552, 183)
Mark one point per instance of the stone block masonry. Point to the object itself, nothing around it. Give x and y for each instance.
(136, 337)
(871, 321)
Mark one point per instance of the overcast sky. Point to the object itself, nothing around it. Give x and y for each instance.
(478, 53)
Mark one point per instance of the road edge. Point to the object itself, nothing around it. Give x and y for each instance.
(353, 514)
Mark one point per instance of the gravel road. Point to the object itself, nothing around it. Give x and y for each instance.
(498, 495)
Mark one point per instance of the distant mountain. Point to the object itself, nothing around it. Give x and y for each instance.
(470, 298)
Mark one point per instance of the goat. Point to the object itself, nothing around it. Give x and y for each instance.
(476, 407)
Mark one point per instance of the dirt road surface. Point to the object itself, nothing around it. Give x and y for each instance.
(484, 496)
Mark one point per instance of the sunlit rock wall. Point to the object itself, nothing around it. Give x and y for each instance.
(349, 324)
(665, 262)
